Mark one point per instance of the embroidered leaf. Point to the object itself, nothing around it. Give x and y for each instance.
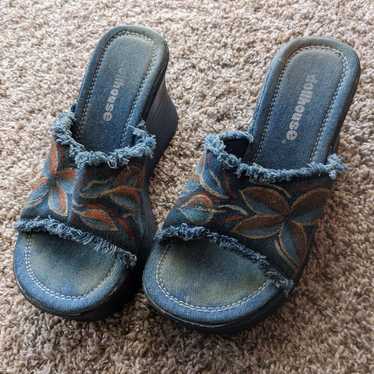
(40, 191)
(32, 203)
(228, 185)
(55, 158)
(57, 200)
(293, 241)
(126, 197)
(231, 213)
(77, 205)
(131, 176)
(191, 186)
(95, 188)
(263, 200)
(227, 208)
(198, 210)
(89, 206)
(259, 227)
(37, 196)
(126, 228)
(40, 183)
(98, 219)
(281, 190)
(285, 255)
(209, 181)
(65, 179)
(233, 218)
(307, 209)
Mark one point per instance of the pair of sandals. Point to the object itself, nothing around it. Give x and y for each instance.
(235, 244)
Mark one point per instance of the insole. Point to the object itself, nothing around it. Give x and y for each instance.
(304, 101)
(115, 90)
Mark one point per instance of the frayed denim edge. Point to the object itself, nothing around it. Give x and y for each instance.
(63, 231)
(144, 145)
(186, 233)
(215, 144)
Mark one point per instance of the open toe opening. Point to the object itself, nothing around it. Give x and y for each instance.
(57, 275)
(87, 226)
(201, 283)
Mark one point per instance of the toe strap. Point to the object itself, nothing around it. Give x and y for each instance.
(187, 232)
(64, 231)
(273, 212)
(91, 196)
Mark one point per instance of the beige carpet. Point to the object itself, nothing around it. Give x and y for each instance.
(219, 53)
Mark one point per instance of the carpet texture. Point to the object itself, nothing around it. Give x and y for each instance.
(219, 53)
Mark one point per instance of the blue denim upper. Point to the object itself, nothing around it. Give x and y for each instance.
(83, 195)
(89, 220)
(271, 212)
(240, 232)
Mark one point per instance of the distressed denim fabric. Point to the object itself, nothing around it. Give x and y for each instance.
(240, 222)
(87, 227)
(75, 198)
(239, 236)
(274, 219)
(95, 215)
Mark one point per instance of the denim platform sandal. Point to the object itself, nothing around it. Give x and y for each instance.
(87, 227)
(236, 242)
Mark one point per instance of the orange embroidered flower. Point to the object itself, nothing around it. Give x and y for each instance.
(274, 216)
(54, 184)
(198, 209)
(123, 191)
(255, 212)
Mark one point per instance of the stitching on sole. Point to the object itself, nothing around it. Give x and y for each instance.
(221, 308)
(276, 94)
(27, 257)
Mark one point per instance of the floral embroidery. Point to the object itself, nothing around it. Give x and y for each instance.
(254, 212)
(208, 180)
(198, 209)
(95, 216)
(54, 184)
(124, 194)
(274, 216)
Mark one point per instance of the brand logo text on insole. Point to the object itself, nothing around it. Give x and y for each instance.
(305, 98)
(119, 81)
